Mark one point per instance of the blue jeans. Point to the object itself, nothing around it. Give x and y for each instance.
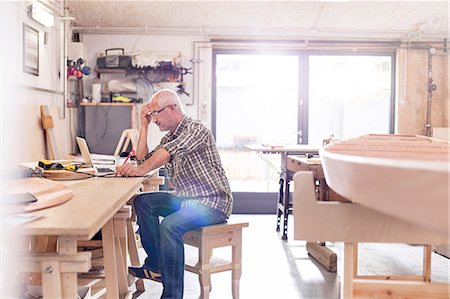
(163, 241)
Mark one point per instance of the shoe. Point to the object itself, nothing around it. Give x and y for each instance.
(142, 272)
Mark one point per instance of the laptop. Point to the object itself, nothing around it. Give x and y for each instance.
(101, 169)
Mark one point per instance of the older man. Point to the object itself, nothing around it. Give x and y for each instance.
(201, 194)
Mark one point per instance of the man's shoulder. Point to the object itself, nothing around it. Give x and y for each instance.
(193, 124)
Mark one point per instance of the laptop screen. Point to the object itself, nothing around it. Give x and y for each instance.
(84, 149)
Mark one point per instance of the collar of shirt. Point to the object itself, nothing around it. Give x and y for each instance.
(179, 128)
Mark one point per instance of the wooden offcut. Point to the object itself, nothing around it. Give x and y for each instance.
(325, 256)
(50, 141)
(64, 175)
(47, 192)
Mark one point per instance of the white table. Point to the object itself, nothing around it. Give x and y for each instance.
(285, 175)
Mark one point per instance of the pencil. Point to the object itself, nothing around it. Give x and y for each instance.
(128, 157)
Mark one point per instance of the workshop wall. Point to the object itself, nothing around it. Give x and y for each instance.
(412, 93)
(23, 93)
(97, 43)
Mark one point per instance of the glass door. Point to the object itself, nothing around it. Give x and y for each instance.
(256, 102)
(293, 98)
(349, 95)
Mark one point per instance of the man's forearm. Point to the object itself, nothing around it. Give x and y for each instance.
(142, 148)
(158, 159)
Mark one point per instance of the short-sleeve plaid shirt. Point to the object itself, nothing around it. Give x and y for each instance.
(195, 169)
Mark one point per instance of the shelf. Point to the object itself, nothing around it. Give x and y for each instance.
(108, 104)
(110, 71)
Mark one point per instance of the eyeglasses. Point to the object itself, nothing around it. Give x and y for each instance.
(155, 113)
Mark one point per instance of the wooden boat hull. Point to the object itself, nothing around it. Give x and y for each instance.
(390, 181)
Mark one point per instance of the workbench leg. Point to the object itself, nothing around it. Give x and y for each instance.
(121, 254)
(348, 271)
(68, 246)
(51, 280)
(427, 250)
(280, 203)
(109, 257)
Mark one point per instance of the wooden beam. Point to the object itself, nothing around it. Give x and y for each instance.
(395, 289)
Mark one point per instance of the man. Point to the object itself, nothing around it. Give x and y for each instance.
(201, 193)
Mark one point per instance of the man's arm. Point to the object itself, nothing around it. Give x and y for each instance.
(158, 159)
(142, 148)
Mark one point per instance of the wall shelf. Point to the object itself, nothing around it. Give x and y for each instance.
(110, 71)
(108, 104)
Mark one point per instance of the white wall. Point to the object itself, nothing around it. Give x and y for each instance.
(97, 43)
(22, 137)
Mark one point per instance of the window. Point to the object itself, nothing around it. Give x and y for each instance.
(256, 103)
(293, 97)
(349, 96)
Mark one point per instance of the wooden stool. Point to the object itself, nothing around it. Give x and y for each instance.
(215, 236)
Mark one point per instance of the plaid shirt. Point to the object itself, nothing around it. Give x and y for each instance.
(195, 169)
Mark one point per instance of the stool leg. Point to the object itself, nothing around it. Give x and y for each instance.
(204, 277)
(236, 260)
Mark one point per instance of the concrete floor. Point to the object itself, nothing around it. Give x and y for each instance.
(273, 268)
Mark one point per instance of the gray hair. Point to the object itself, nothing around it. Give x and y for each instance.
(166, 97)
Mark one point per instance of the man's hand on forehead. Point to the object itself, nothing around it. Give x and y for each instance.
(152, 106)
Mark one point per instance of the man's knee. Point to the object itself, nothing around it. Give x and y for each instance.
(138, 200)
(170, 228)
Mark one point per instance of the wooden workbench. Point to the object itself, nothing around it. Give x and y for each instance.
(317, 250)
(398, 186)
(284, 203)
(95, 202)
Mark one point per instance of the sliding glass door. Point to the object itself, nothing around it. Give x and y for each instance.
(349, 95)
(256, 102)
(289, 98)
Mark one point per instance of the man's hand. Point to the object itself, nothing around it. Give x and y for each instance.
(146, 110)
(129, 169)
(145, 118)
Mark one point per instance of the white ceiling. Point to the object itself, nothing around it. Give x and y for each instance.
(305, 19)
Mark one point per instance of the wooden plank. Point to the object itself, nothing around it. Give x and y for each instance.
(78, 263)
(90, 243)
(47, 192)
(399, 290)
(64, 175)
(47, 124)
(222, 227)
(323, 255)
(334, 221)
(391, 277)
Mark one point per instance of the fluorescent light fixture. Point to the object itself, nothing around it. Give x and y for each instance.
(41, 15)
